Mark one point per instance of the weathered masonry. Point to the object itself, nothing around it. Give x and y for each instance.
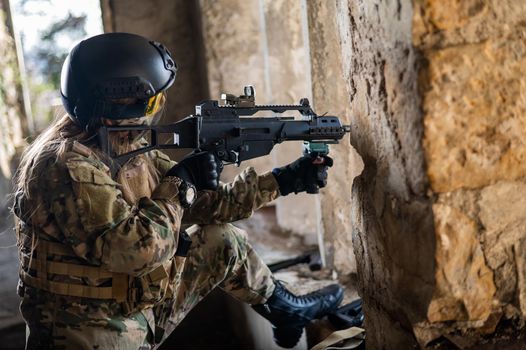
(437, 97)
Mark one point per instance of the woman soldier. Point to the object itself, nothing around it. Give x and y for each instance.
(102, 260)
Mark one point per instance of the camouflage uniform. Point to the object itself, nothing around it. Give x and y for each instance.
(97, 261)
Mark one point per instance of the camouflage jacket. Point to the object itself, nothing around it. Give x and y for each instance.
(129, 230)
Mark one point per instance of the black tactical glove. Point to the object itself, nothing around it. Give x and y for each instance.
(307, 174)
(200, 169)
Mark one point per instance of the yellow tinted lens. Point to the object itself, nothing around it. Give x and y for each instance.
(154, 103)
(131, 121)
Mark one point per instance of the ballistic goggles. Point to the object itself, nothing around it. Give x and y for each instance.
(129, 108)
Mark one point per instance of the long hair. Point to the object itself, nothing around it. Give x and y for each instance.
(51, 144)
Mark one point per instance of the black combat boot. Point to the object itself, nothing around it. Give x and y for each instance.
(289, 313)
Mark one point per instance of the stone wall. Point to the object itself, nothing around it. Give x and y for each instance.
(434, 91)
(474, 105)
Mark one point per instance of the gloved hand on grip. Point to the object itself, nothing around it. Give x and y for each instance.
(307, 174)
(199, 169)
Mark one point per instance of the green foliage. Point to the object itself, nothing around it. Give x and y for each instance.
(44, 60)
(41, 93)
(49, 53)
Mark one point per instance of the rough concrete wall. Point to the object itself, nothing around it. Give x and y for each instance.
(473, 89)
(235, 56)
(392, 222)
(260, 43)
(175, 23)
(330, 96)
(289, 81)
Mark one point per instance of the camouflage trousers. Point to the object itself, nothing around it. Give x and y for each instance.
(219, 257)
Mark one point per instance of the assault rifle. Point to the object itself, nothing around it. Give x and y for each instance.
(232, 133)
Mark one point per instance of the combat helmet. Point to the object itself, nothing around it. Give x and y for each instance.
(105, 69)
